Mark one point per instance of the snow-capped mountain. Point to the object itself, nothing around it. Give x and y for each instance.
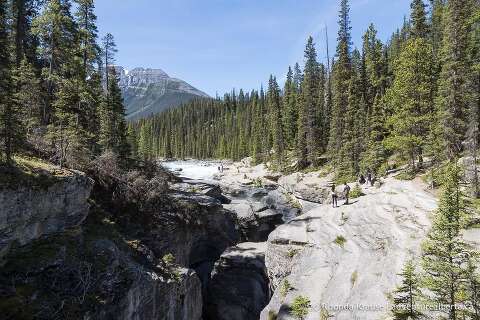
(150, 91)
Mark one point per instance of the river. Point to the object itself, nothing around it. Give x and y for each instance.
(193, 169)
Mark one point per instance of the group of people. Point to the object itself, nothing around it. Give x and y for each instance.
(346, 188)
(370, 179)
(346, 193)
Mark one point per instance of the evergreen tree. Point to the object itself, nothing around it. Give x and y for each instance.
(108, 50)
(28, 98)
(454, 96)
(56, 31)
(276, 126)
(406, 296)
(445, 254)
(25, 43)
(419, 22)
(410, 98)
(341, 82)
(9, 127)
(290, 113)
(310, 114)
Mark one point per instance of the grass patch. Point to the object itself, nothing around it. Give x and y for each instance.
(354, 278)
(285, 288)
(292, 252)
(30, 172)
(258, 183)
(293, 201)
(340, 240)
(406, 175)
(324, 314)
(300, 307)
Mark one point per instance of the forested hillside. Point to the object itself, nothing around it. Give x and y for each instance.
(415, 96)
(59, 98)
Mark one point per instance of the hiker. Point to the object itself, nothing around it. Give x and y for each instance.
(369, 177)
(334, 197)
(346, 191)
(221, 168)
(361, 180)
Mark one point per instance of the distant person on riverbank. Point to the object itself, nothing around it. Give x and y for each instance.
(346, 191)
(369, 177)
(361, 179)
(334, 197)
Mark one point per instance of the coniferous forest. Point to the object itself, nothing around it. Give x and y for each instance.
(414, 97)
(59, 98)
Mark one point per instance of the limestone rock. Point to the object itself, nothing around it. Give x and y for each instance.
(27, 214)
(239, 287)
(348, 255)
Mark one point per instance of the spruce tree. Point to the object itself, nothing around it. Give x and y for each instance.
(410, 98)
(445, 255)
(342, 71)
(454, 95)
(290, 113)
(419, 22)
(407, 295)
(310, 109)
(276, 126)
(57, 34)
(8, 117)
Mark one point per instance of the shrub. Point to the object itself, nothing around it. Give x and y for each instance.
(168, 259)
(340, 240)
(271, 315)
(292, 252)
(356, 191)
(353, 278)
(300, 307)
(286, 286)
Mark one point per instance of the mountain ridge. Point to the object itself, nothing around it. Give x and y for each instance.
(148, 91)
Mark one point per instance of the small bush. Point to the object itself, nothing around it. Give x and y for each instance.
(271, 315)
(340, 240)
(285, 288)
(168, 259)
(258, 183)
(300, 307)
(292, 252)
(406, 175)
(356, 191)
(353, 278)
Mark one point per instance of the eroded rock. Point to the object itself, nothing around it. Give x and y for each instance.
(239, 287)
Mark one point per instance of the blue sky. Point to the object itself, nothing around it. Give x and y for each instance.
(217, 45)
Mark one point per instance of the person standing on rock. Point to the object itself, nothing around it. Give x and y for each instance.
(369, 177)
(346, 191)
(334, 197)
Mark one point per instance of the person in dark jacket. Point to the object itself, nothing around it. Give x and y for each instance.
(346, 192)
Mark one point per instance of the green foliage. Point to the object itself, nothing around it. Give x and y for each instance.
(300, 307)
(356, 192)
(410, 98)
(285, 288)
(407, 295)
(168, 259)
(445, 253)
(340, 240)
(292, 252)
(271, 315)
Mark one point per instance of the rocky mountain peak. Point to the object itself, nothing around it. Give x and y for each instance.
(148, 91)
